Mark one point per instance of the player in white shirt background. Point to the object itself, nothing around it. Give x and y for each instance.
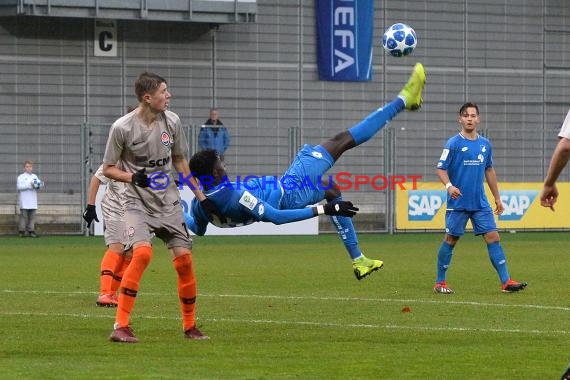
(28, 185)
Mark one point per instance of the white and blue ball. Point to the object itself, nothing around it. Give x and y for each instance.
(399, 40)
(36, 183)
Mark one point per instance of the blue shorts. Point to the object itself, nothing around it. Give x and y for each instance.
(483, 221)
(301, 182)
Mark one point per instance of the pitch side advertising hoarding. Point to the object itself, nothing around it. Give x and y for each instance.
(424, 208)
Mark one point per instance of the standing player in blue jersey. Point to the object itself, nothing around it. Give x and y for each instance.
(466, 161)
(303, 184)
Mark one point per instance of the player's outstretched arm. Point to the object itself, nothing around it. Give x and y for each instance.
(276, 216)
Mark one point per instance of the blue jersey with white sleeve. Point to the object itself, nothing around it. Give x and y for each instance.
(256, 200)
(268, 198)
(465, 162)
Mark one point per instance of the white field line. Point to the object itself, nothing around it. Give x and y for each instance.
(309, 323)
(302, 323)
(318, 298)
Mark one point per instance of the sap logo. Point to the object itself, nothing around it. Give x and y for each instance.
(516, 203)
(159, 162)
(424, 204)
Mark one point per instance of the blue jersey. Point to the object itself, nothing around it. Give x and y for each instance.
(256, 200)
(268, 198)
(302, 180)
(465, 162)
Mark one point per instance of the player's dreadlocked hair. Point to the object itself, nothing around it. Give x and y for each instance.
(202, 165)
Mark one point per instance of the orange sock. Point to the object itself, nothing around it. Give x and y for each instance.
(122, 265)
(186, 290)
(130, 284)
(108, 265)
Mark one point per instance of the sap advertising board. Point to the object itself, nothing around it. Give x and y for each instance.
(424, 208)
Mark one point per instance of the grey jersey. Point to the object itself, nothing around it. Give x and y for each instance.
(133, 146)
(114, 192)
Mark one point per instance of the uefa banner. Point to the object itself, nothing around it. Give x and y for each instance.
(424, 207)
(344, 39)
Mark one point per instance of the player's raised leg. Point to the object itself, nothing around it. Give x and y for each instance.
(411, 94)
(410, 97)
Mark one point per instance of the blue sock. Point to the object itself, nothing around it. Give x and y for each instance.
(347, 234)
(443, 260)
(499, 261)
(374, 122)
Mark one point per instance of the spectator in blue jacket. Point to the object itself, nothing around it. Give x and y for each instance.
(213, 134)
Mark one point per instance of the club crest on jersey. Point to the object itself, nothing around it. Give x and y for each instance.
(248, 200)
(165, 139)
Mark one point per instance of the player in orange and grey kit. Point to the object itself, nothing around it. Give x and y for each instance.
(142, 146)
(116, 259)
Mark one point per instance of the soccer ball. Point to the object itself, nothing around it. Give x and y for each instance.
(399, 40)
(36, 184)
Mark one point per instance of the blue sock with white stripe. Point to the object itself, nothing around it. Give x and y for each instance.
(347, 233)
(443, 260)
(374, 122)
(499, 260)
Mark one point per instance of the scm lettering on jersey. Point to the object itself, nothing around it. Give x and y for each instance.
(516, 203)
(424, 204)
(160, 162)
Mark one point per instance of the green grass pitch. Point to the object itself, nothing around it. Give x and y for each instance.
(290, 307)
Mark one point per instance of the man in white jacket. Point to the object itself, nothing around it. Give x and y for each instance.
(28, 185)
